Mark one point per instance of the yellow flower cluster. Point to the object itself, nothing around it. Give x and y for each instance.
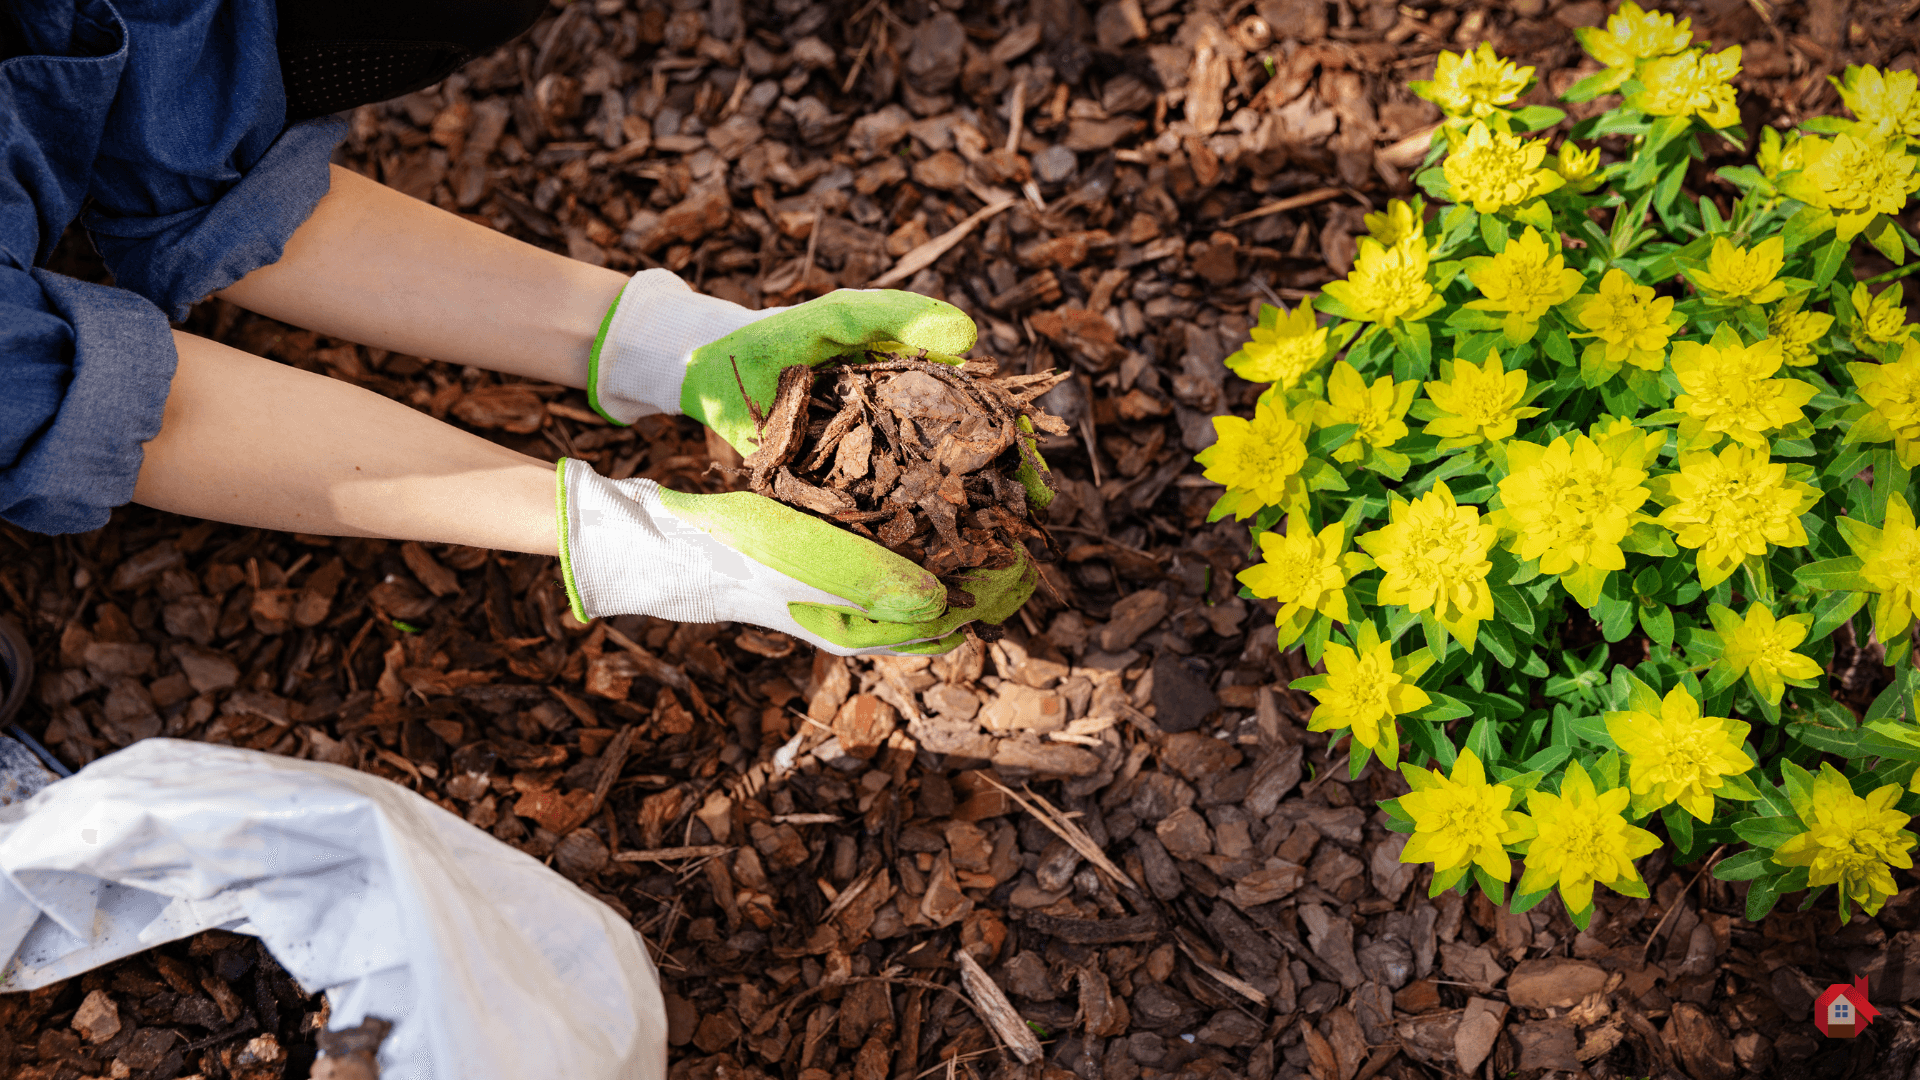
(1493, 170)
(1475, 84)
(1855, 178)
(1851, 840)
(1285, 347)
(1691, 84)
(1434, 554)
(1730, 390)
(1892, 395)
(1570, 503)
(1630, 324)
(1730, 506)
(1258, 461)
(1526, 281)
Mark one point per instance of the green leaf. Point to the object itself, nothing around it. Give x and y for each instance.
(1827, 263)
(1592, 730)
(1745, 866)
(1767, 832)
(1657, 620)
(1762, 895)
(1679, 827)
(1493, 233)
(1535, 117)
(1484, 741)
(1830, 574)
(1833, 612)
(1513, 608)
(1328, 439)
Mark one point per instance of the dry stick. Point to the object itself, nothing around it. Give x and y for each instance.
(923, 256)
(1232, 982)
(1066, 829)
(991, 1003)
(1291, 202)
(1646, 949)
(670, 854)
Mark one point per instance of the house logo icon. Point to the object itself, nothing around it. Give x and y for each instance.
(1843, 1011)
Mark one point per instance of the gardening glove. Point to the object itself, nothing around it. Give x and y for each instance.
(631, 547)
(664, 348)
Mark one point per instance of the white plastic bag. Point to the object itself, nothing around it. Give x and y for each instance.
(488, 963)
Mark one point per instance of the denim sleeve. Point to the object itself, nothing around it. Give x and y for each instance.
(86, 369)
(196, 184)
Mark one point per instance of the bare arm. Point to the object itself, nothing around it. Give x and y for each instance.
(252, 442)
(384, 269)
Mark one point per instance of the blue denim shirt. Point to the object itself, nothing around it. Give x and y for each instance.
(161, 126)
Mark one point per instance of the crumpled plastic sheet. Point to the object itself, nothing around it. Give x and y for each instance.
(489, 964)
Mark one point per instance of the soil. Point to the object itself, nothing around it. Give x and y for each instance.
(216, 1005)
(1114, 812)
(921, 456)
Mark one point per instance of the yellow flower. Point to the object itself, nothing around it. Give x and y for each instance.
(1882, 319)
(1887, 104)
(1525, 280)
(1854, 178)
(1285, 347)
(1761, 647)
(1632, 34)
(1479, 403)
(1492, 170)
(1364, 689)
(1890, 563)
(1850, 841)
(1892, 393)
(1434, 554)
(1570, 503)
(1632, 325)
(1777, 154)
(1679, 756)
(1577, 166)
(1259, 460)
(1306, 573)
(1743, 275)
(1475, 84)
(1582, 840)
(1377, 409)
(1730, 505)
(1394, 224)
(1691, 84)
(1729, 390)
(1461, 821)
(1798, 332)
(1387, 284)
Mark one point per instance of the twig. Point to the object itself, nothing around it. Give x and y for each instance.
(991, 1004)
(923, 256)
(669, 854)
(753, 407)
(1291, 202)
(1066, 829)
(1647, 949)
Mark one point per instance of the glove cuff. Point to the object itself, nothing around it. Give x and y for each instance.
(615, 556)
(639, 359)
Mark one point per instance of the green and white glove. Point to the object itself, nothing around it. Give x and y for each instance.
(631, 547)
(664, 348)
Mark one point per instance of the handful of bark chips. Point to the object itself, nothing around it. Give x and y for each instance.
(933, 461)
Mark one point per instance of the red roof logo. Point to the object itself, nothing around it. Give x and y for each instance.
(1842, 1011)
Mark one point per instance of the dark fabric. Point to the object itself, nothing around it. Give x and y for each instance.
(164, 120)
(339, 54)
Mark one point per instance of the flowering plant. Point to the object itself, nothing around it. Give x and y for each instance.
(1581, 476)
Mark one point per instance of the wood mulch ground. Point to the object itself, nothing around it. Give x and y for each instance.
(1115, 810)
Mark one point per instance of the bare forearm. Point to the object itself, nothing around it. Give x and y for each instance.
(252, 442)
(383, 269)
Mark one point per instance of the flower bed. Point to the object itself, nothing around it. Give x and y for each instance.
(1684, 415)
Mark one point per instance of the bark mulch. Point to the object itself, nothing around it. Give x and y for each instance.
(1104, 841)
